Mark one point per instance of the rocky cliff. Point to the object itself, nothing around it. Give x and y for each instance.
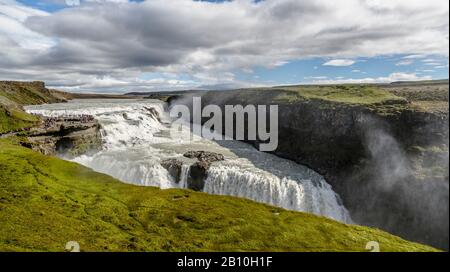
(383, 148)
(50, 136)
(70, 136)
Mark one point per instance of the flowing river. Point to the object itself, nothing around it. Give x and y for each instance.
(136, 139)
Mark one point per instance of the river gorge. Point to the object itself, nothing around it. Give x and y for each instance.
(137, 148)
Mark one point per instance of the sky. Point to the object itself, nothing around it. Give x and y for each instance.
(117, 46)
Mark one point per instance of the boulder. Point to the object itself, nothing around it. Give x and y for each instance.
(199, 170)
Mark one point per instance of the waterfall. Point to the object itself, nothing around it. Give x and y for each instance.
(184, 176)
(136, 141)
(299, 195)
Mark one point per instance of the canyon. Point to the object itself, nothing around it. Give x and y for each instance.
(384, 154)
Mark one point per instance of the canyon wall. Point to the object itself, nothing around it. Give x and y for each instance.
(388, 159)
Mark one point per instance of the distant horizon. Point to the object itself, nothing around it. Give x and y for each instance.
(187, 90)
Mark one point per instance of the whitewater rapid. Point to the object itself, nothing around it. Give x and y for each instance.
(136, 140)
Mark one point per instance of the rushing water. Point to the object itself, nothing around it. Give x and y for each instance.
(136, 140)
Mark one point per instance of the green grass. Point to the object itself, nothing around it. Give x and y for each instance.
(13, 95)
(46, 202)
(14, 119)
(352, 94)
(26, 93)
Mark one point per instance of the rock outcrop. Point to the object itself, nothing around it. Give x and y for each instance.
(199, 162)
(69, 136)
(173, 166)
(199, 170)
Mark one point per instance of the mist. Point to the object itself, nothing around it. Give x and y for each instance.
(397, 189)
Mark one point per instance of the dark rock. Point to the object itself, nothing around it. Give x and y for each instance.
(198, 171)
(198, 175)
(65, 136)
(205, 156)
(173, 166)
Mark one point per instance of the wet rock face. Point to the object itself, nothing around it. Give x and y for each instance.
(173, 166)
(65, 136)
(197, 175)
(152, 112)
(198, 170)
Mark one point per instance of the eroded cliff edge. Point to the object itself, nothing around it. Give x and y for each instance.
(384, 148)
(70, 136)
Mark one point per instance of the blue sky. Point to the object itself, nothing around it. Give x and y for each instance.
(120, 45)
(314, 70)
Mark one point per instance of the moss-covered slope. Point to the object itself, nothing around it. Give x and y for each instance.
(15, 94)
(46, 202)
(14, 118)
(27, 93)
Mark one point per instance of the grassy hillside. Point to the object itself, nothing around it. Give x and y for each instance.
(27, 93)
(14, 118)
(13, 95)
(347, 93)
(46, 202)
(428, 96)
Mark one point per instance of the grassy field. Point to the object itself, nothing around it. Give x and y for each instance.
(13, 119)
(346, 94)
(46, 202)
(424, 96)
(352, 94)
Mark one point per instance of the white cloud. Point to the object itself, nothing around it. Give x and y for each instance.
(398, 76)
(415, 56)
(429, 60)
(316, 77)
(404, 62)
(12, 17)
(339, 62)
(425, 71)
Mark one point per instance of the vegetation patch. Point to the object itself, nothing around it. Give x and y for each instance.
(14, 119)
(14, 95)
(346, 93)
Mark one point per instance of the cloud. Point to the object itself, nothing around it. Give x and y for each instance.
(415, 56)
(404, 62)
(123, 39)
(429, 60)
(398, 76)
(316, 77)
(12, 28)
(339, 62)
(432, 63)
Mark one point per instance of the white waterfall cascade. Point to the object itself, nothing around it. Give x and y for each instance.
(136, 141)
